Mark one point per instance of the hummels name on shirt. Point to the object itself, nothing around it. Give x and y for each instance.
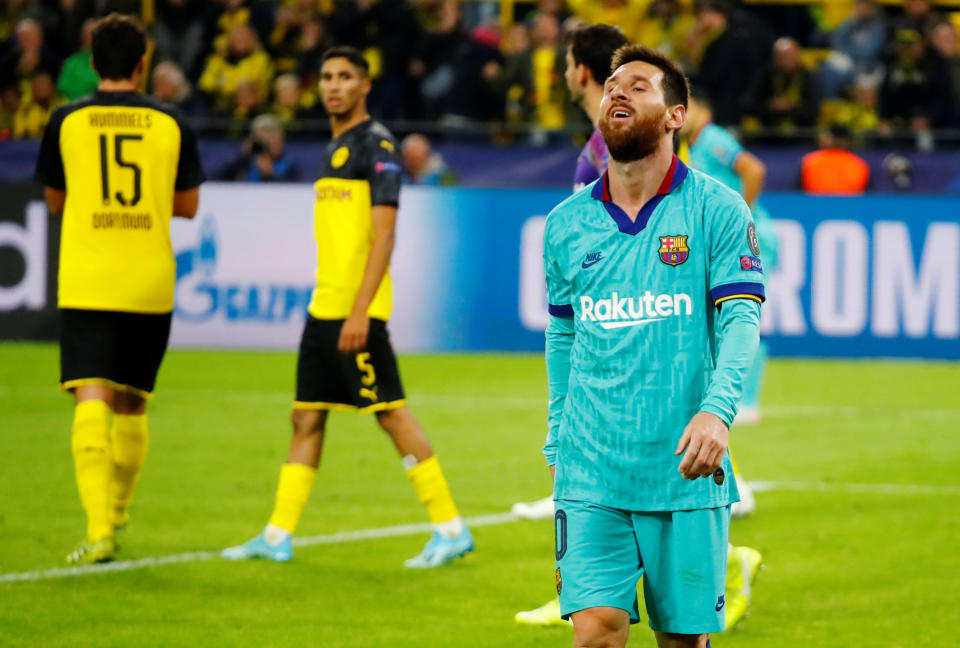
(120, 119)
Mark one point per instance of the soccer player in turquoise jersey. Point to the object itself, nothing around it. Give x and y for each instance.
(655, 283)
(717, 153)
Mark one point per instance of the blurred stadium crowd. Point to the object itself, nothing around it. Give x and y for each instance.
(778, 69)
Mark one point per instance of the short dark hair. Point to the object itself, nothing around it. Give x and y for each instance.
(594, 46)
(676, 87)
(119, 42)
(352, 54)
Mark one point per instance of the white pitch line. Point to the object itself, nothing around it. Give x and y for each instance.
(200, 556)
(866, 489)
(478, 521)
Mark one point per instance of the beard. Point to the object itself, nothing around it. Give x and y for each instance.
(634, 141)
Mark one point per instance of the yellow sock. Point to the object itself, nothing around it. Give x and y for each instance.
(129, 438)
(293, 491)
(94, 465)
(432, 489)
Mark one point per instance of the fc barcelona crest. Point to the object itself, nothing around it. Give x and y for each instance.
(674, 250)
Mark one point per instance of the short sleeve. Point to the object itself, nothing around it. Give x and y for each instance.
(736, 271)
(725, 147)
(559, 293)
(49, 171)
(386, 172)
(189, 169)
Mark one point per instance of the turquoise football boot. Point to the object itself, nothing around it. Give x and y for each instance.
(441, 550)
(260, 548)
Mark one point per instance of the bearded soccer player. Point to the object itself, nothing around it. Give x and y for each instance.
(589, 53)
(118, 165)
(346, 361)
(654, 322)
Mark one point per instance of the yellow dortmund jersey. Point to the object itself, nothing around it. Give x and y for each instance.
(120, 157)
(362, 168)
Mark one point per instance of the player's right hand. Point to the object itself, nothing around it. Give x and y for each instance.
(353, 334)
(703, 444)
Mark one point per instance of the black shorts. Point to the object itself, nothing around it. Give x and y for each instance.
(327, 379)
(121, 350)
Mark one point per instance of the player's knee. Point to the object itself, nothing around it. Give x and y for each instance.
(308, 422)
(394, 419)
(673, 640)
(600, 628)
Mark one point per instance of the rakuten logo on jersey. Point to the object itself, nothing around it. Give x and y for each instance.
(620, 312)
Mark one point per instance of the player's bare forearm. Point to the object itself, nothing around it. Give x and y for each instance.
(56, 198)
(752, 174)
(353, 335)
(185, 203)
(703, 444)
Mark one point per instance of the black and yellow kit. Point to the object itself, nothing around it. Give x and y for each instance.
(120, 157)
(362, 168)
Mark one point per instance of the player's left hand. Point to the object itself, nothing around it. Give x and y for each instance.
(353, 334)
(705, 441)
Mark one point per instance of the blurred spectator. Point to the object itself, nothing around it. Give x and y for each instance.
(68, 22)
(180, 33)
(918, 15)
(858, 48)
(476, 64)
(290, 19)
(391, 39)
(782, 95)
(945, 40)
(665, 28)
(291, 105)
(171, 86)
(314, 41)
(244, 59)
(534, 78)
(33, 114)
(423, 166)
(626, 14)
(857, 110)
(834, 169)
(77, 77)
(916, 88)
(9, 103)
(731, 42)
(27, 57)
(262, 157)
(248, 104)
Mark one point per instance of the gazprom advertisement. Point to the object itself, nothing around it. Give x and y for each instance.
(870, 276)
(856, 277)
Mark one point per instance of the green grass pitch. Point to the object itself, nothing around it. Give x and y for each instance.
(845, 565)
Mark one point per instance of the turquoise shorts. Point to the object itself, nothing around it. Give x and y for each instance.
(682, 556)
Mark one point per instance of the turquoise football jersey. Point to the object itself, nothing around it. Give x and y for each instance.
(715, 152)
(643, 296)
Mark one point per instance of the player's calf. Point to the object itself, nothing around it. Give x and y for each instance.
(600, 627)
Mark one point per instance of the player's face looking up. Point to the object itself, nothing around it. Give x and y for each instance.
(343, 87)
(634, 116)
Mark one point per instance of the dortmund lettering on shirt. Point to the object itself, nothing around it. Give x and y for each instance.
(362, 168)
(120, 157)
(643, 296)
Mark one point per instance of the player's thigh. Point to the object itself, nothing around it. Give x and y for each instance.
(597, 559)
(684, 556)
(321, 381)
(374, 374)
(143, 342)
